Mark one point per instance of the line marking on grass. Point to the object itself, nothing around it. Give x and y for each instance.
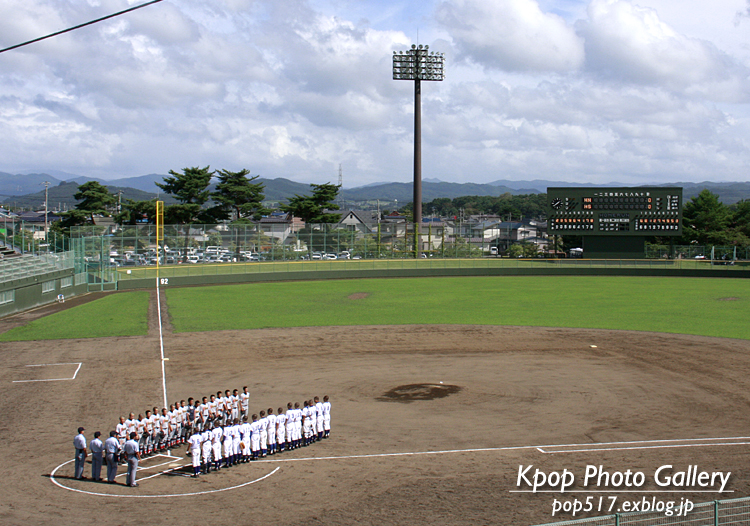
(79, 364)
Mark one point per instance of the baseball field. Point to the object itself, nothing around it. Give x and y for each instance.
(441, 388)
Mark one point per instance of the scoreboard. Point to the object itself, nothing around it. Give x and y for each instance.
(637, 211)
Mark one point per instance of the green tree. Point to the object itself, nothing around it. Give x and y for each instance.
(135, 211)
(94, 198)
(316, 207)
(705, 220)
(740, 222)
(237, 192)
(190, 188)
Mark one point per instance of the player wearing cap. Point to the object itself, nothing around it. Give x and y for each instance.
(227, 445)
(326, 417)
(280, 430)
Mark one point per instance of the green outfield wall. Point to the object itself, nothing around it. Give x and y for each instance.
(174, 278)
(26, 293)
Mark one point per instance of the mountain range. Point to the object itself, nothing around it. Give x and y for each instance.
(27, 190)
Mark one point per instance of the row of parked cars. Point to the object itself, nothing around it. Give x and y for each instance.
(330, 255)
(209, 255)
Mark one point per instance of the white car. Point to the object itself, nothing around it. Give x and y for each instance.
(330, 256)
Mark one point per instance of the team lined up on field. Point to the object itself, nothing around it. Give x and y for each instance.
(224, 422)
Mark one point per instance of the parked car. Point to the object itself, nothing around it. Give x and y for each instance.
(330, 256)
(316, 255)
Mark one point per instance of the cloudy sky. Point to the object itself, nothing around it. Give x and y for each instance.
(635, 91)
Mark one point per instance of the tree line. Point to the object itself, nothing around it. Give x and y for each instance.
(236, 198)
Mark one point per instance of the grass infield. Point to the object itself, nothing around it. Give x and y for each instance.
(699, 306)
(123, 314)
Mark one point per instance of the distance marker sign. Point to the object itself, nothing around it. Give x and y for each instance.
(635, 211)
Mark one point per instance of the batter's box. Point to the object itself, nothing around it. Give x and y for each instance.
(49, 372)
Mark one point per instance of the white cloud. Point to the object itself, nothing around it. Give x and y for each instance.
(511, 35)
(291, 89)
(625, 41)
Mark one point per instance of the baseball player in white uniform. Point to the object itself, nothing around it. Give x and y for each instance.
(255, 438)
(281, 430)
(122, 431)
(194, 445)
(245, 440)
(326, 417)
(227, 446)
(290, 426)
(319, 420)
(234, 402)
(206, 448)
(236, 438)
(271, 429)
(245, 403)
(306, 423)
(263, 423)
(217, 433)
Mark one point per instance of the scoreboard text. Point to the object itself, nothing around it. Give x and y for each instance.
(641, 211)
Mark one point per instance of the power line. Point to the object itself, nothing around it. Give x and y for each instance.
(79, 26)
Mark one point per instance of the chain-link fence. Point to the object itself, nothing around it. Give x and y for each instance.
(716, 513)
(709, 252)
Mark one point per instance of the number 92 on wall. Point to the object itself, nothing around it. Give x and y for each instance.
(163, 281)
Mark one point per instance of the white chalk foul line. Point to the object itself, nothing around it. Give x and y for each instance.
(52, 379)
(637, 444)
(661, 444)
(55, 481)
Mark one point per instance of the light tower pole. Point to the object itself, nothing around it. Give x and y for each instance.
(418, 64)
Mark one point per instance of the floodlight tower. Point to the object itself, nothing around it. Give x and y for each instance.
(418, 64)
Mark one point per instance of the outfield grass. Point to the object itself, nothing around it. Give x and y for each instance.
(700, 306)
(124, 314)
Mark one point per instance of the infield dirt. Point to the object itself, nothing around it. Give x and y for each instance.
(514, 387)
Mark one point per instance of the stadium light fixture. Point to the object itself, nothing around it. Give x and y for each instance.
(418, 64)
